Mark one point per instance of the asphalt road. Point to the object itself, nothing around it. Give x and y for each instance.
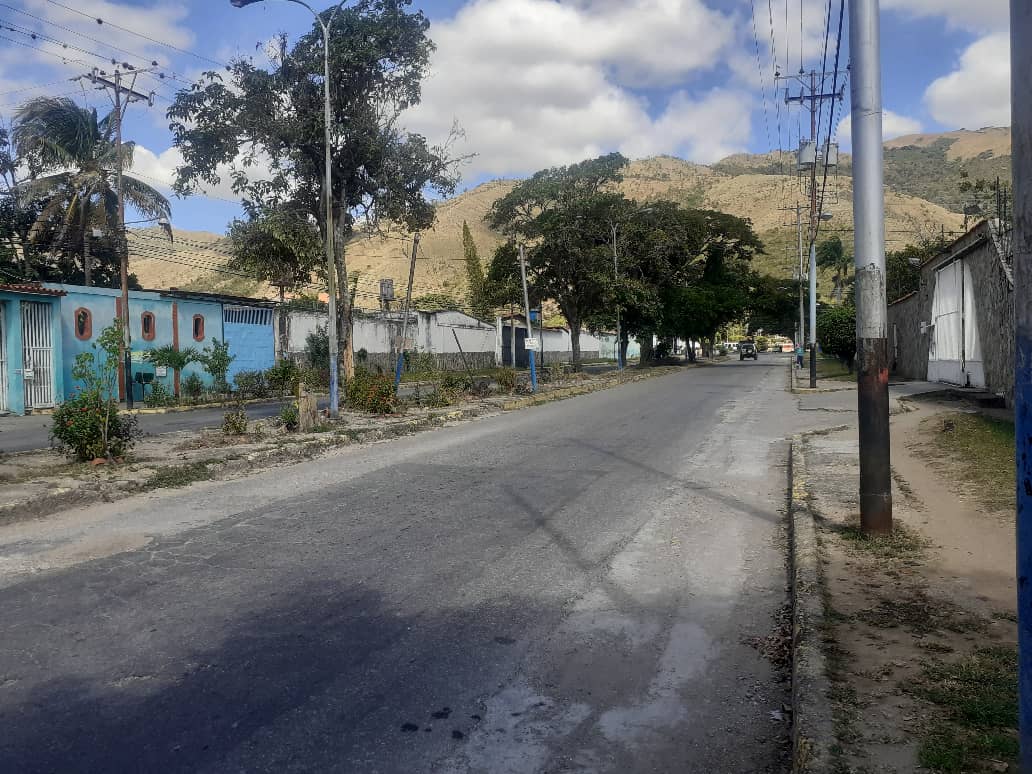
(572, 587)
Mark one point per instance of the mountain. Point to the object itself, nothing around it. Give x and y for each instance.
(923, 197)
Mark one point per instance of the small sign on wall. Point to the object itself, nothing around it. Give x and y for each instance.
(161, 370)
(531, 343)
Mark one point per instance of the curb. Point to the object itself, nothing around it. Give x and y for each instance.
(813, 731)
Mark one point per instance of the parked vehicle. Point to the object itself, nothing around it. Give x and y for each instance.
(747, 349)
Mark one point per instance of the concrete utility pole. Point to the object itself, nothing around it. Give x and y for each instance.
(530, 330)
(869, 255)
(799, 236)
(122, 98)
(812, 96)
(405, 318)
(331, 266)
(616, 278)
(1021, 160)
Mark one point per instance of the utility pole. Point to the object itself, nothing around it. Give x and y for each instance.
(798, 210)
(530, 330)
(812, 96)
(616, 279)
(1021, 161)
(869, 255)
(121, 105)
(405, 318)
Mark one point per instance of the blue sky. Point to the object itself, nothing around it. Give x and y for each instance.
(539, 82)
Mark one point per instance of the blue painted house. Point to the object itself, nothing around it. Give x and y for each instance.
(31, 376)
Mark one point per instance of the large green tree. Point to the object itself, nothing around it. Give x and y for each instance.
(267, 123)
(280, 246)
(562, 216)
(478, 294)
(71, 158)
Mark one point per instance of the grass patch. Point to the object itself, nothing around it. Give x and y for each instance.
(830, 368)
(978, 696)
(175, 476)
(983, 450)
(920, 614)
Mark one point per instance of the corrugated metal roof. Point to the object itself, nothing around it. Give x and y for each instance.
(29, 287)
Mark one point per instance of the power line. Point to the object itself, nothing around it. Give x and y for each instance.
(831, 117)
(166, 44)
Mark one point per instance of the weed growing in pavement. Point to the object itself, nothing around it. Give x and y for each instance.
(180, 475)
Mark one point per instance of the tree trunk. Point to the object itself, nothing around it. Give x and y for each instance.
(622, 344)
(86, 273)
(646, 356)
(689, 349)
(345, 326)
(575, 344)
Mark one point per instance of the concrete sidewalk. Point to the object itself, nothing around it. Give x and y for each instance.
(899, 612)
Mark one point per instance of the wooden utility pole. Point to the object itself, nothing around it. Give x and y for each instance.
(122, 97)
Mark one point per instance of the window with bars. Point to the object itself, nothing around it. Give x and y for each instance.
(198, 327)
(247, 315)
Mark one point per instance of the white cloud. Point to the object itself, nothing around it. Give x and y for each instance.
(535, 83)
(962, 14)
(705, 130)
(893, 125)
(159, 169)
(977, 93)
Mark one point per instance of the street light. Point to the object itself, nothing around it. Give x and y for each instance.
(331, 281)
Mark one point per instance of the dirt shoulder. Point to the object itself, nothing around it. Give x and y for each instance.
(39, 484)
(920, 627)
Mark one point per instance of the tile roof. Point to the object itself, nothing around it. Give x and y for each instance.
(30, 287)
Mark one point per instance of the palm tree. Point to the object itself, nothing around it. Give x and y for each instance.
(71, 157)
(176, 359)
(832, 254)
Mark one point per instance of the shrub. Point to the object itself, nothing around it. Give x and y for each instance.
(282, 377)
(506, 379)
(762, 343)
(158, 396)
(372, 392)
(89, 425)
(454, 381)
(193, 387)
(290, 417)
(170, 357)
(315, 378)
(216, 360)
(836, 332)
(251, 384)
(235, 422)
(317, 348)
(92, 428)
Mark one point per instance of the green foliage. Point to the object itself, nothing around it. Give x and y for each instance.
(480, 297)
(317, 348)
(170, 357)
(836, 331)
(762, 343)
(315, 378)
(90, 425)
(290, 417)
(158, 396)
(903, 267)
(433, 302)
(832, 254)
(235, 422)
(91, 428)
(68, 157)
(282, 377)
(371, 392)
(216, 361)
(193, 387)
(277, 244)
(251, 384)
(564, 216)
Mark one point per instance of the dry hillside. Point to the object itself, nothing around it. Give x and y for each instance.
(744, 185)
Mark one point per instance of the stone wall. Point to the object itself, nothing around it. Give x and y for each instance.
(994, 294)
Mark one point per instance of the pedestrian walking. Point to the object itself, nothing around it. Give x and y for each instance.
(799, 352)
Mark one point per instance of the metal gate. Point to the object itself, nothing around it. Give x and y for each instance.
(3, 361)
(38, 349)
(954, 348)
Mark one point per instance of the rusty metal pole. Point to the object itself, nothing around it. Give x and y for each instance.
(869, 251)
(1021, 160)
